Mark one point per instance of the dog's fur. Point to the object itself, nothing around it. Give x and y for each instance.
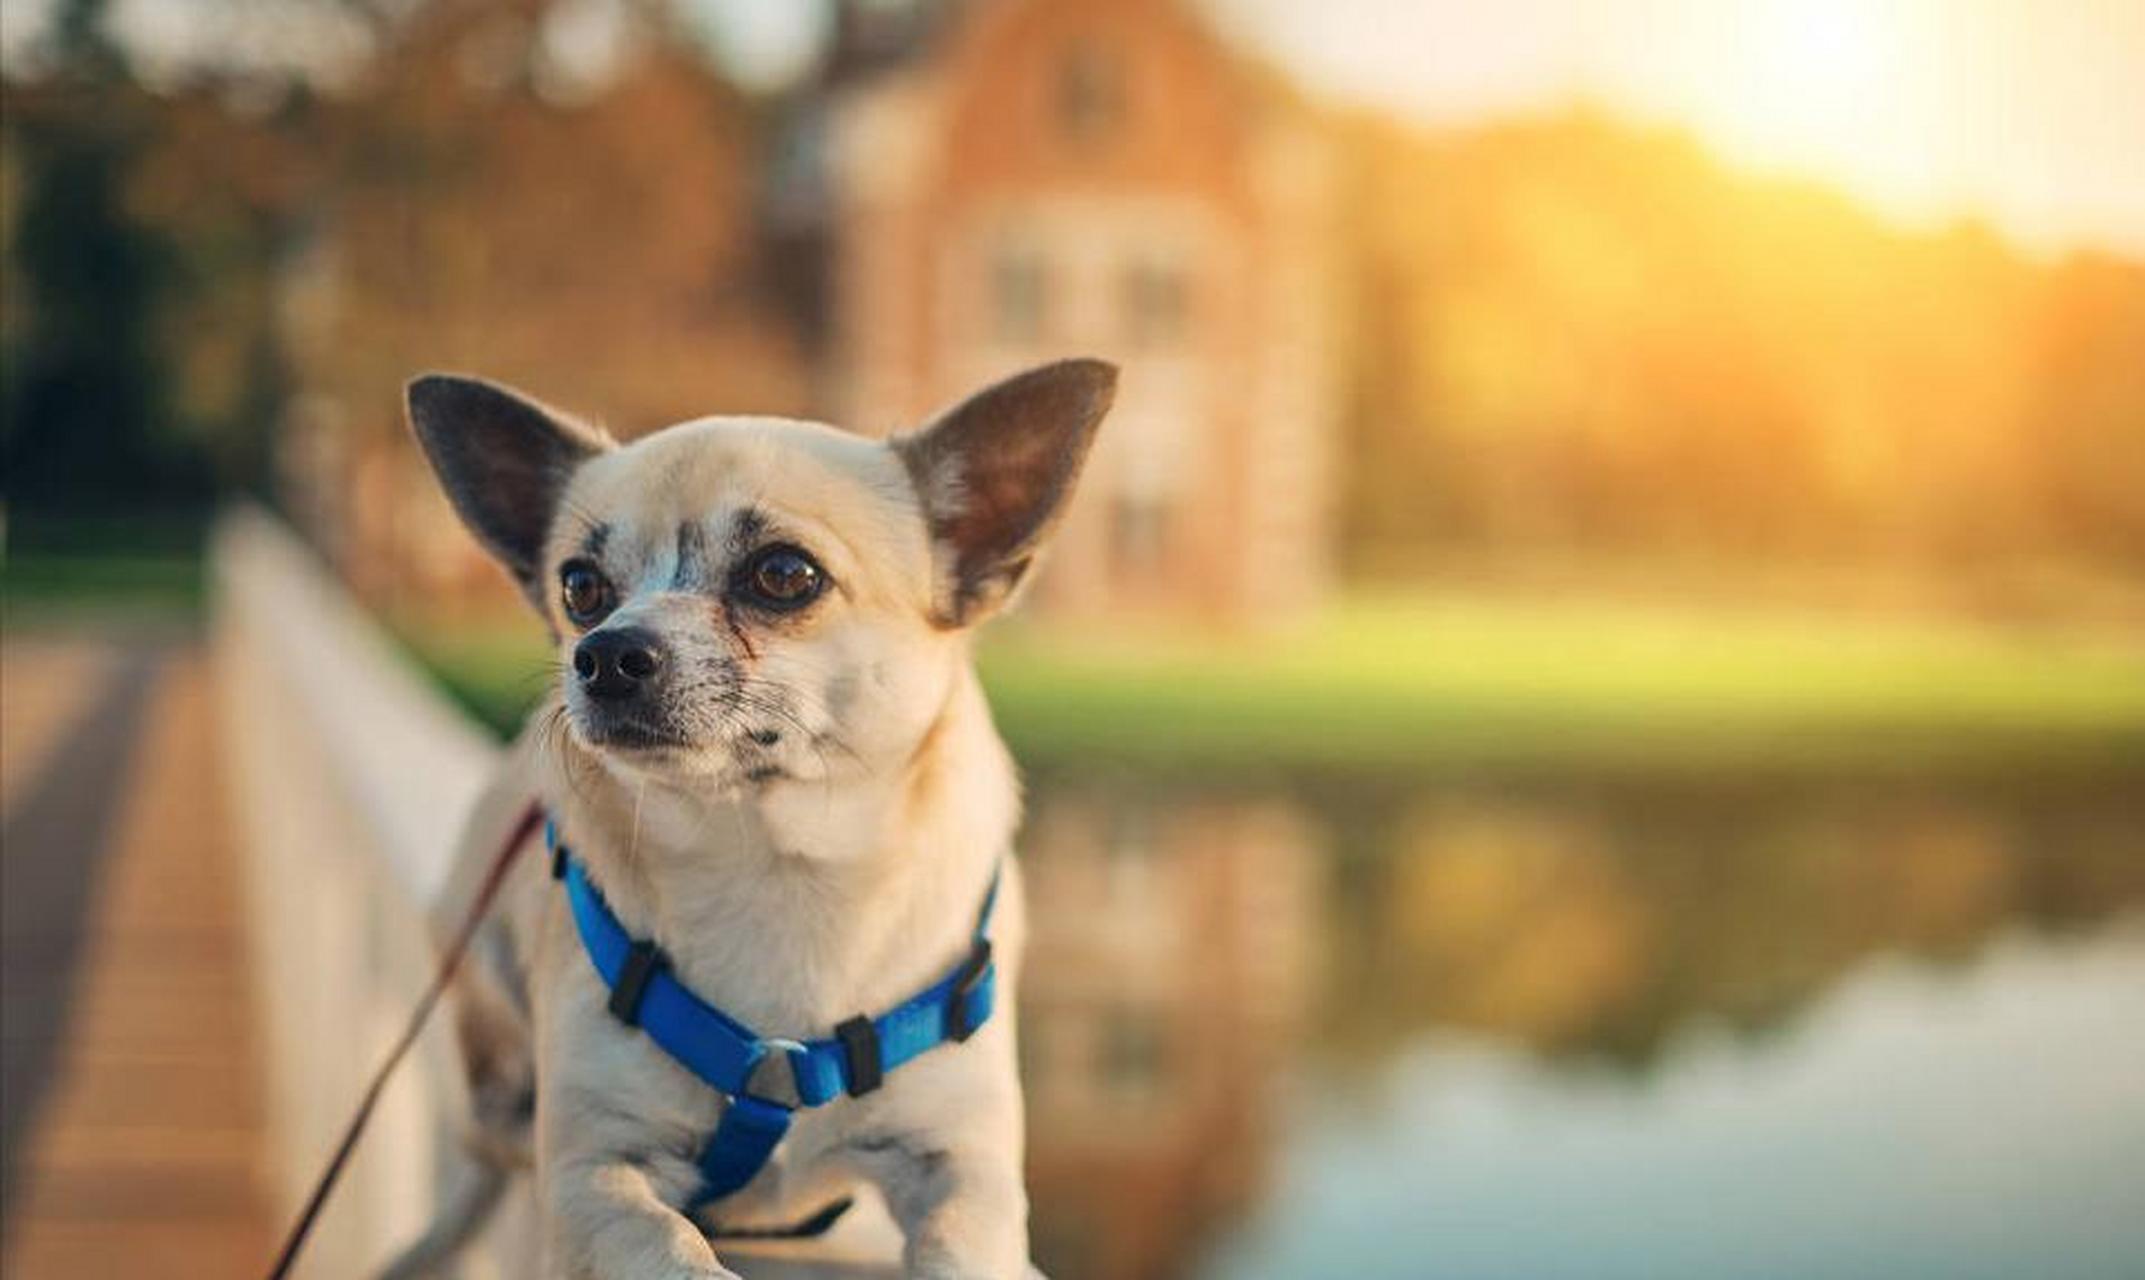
(804, 808)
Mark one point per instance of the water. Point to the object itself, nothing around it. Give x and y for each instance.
(1588, 1028)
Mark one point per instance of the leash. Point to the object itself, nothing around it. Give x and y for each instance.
(450, 961)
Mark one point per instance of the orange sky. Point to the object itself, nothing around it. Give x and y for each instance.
(2030, 113)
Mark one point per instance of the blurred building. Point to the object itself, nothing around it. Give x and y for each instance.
(969, 189)
(1163, 993)
(959, 190)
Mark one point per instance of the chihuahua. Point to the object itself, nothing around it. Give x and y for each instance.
(769, 763)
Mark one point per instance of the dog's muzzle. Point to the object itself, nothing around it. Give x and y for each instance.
(623, 674)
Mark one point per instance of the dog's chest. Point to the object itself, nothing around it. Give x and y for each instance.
(769, 954)
(787, 944)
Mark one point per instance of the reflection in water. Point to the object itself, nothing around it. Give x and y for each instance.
(1989, 1122)
(1514, 1030)
(1165, 981)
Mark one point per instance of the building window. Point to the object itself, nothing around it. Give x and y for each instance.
(1019, 296)
(1156, 304)
(1090, 92)
(1139, 532)
(1133, 1060)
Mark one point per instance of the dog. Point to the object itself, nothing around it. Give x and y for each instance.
(769, 762)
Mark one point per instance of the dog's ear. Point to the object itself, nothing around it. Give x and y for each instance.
(504, 460)
(994, 473)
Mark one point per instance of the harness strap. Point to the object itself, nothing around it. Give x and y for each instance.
(724, 1053)
(744, 1141)
(950, 1009)
(644, 993)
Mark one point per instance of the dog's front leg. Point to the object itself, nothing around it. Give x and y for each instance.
(609, 1223)
(961, 1207)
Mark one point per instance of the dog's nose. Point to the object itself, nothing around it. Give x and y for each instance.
(617, 664)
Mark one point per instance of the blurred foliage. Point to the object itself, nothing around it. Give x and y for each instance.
(86, 417)
(1602, 919)
(466, 211)
(1577, 334)
(233, 271)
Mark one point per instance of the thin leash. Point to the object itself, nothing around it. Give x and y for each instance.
(450, 962)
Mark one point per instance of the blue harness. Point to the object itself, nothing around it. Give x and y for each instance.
(725, 1053)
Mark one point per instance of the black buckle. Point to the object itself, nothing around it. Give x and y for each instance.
(860, 1045)
(559, 855)
(642, 960)
(958, 1025)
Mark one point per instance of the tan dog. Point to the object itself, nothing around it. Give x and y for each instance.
(769, 751)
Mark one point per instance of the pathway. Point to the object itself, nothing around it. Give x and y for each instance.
(132, 1120)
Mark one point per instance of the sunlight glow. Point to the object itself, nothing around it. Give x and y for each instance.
(1834, 46)
(1827, 86)
(2027, 112)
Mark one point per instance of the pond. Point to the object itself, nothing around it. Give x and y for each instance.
(1587, 1027)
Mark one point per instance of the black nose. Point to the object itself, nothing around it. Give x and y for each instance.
(617, 663)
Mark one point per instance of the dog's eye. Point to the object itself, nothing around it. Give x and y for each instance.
(783, 577)
(584, 592)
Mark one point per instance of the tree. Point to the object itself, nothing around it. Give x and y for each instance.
(86, 400)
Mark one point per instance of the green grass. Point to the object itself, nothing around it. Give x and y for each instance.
(1440, 683)
(1453, 681)
(40, 586)
(495, 669)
